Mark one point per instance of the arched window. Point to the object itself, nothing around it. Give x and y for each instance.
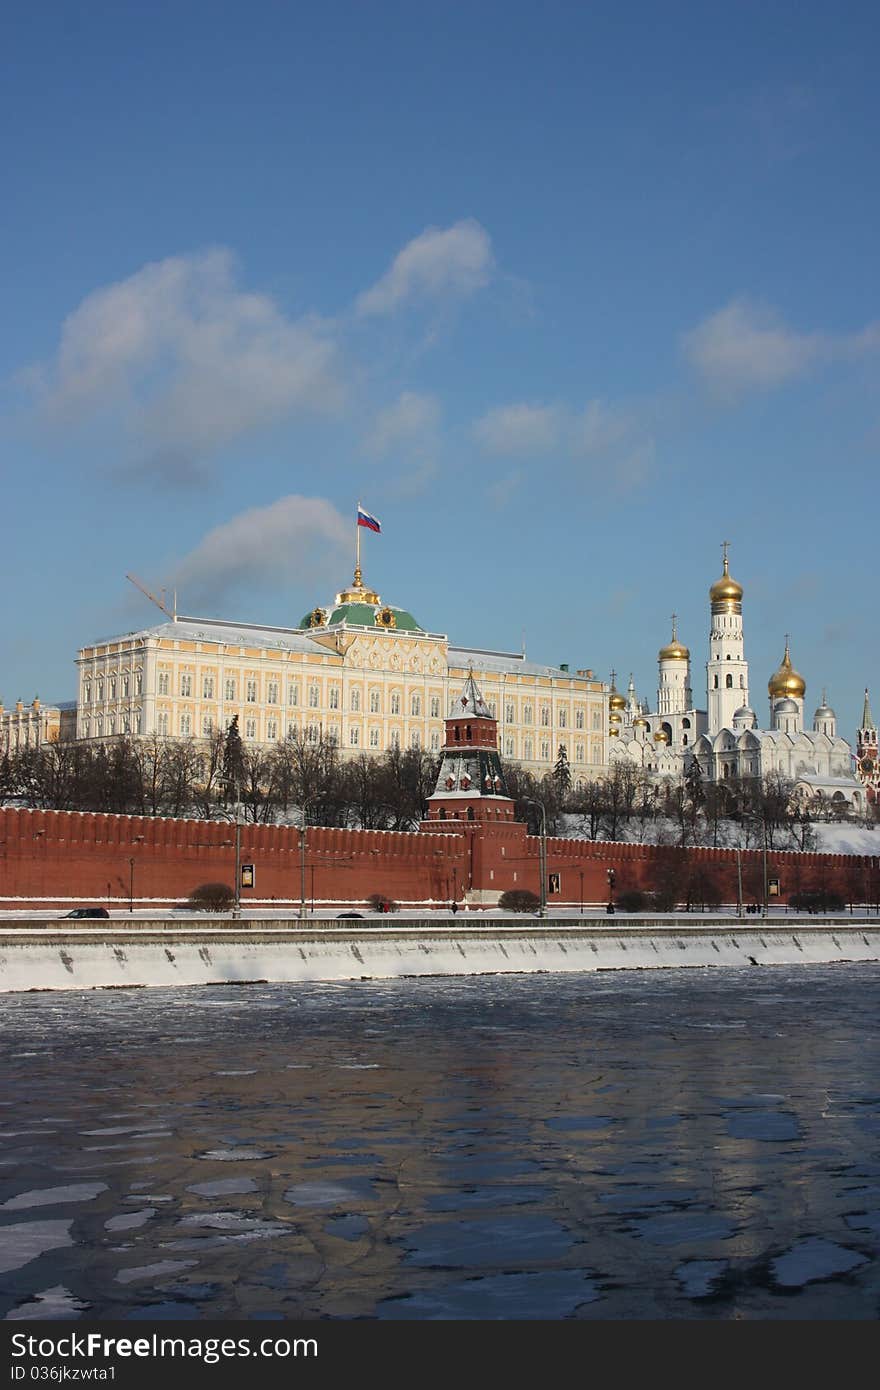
(729, 681)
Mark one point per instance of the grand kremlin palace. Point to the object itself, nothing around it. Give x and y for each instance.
(360, 673)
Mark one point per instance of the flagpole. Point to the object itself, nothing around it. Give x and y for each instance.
(357, 562)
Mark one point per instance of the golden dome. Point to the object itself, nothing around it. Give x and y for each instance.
(661, 737)
(614, 733)
(786, 683)
(675, 651)
(615, 699)
(725, 594)
(641, 723)
(614, 717)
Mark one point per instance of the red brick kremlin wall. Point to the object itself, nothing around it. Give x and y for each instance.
(61, 857)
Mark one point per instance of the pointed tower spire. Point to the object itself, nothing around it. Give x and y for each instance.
(867, 717)
(470, 783)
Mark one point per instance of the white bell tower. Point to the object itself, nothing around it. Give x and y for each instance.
(727, 671)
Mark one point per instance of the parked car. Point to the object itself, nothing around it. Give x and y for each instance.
(88, 912)
(340, 915)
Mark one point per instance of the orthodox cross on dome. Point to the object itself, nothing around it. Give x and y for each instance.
(725, 546)
(613, 677)
(674, 633)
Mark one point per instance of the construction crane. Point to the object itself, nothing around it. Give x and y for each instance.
(159, 602)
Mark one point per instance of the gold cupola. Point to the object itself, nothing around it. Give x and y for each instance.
(786, 682)
(616, 701)
(675, 650)
(725, 594)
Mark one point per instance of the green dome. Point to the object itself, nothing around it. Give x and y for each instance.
(383, 616)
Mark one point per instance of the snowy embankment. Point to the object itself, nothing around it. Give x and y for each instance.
(163, 953)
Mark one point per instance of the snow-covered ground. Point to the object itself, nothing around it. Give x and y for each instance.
(838, 837)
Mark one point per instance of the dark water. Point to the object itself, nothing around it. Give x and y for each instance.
(668, 1144)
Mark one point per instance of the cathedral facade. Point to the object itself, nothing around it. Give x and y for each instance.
(725, 738)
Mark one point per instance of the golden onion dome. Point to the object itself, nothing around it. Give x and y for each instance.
(675, 650)
(614, 717)
(641, 723)
(614, 733)
(786, 682)
(661, 737)
(725, 594)
(616, 700)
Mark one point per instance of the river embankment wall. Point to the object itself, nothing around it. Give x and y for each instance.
(161, 953)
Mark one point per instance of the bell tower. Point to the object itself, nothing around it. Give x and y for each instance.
(727, 671)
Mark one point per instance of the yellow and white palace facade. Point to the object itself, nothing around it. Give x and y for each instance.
(360, 674)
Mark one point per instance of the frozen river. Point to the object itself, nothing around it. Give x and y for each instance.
(664, 1144)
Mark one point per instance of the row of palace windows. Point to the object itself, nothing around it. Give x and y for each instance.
(122, 724)
(313, 696)
(117, 687)
(274, 730)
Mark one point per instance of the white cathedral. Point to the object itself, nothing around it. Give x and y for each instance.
(724, 738)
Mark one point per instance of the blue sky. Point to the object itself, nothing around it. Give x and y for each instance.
(566, 294)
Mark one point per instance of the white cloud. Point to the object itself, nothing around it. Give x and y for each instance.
(450, 262)
(599, 428)
(412, 419)
(520, 429)
(597, 431)
(186, 361)
(745, 346)
(289, 540)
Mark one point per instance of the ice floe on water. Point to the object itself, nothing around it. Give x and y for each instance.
(53, 1196)
(769, 1126)
(50, 1304)
(546, 1294)
(129, 1220)
(813, 1259)
(23, 1243)
(222, 1187)
(699, 1278)
(251, 1071)
(155, 1271)
(235, 1222)
(683, 1227)
(494, 1241)
(329, 1194)
(233, 1155)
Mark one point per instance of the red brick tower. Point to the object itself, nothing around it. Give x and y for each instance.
(470, 784)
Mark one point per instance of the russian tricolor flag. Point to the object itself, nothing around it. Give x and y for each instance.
(365, 519)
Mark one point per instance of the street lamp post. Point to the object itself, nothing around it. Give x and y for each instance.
(131, 885)
(582, 891)
(611, 877)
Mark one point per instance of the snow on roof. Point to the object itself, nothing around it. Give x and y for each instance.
(218, 630)
(490, 662)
